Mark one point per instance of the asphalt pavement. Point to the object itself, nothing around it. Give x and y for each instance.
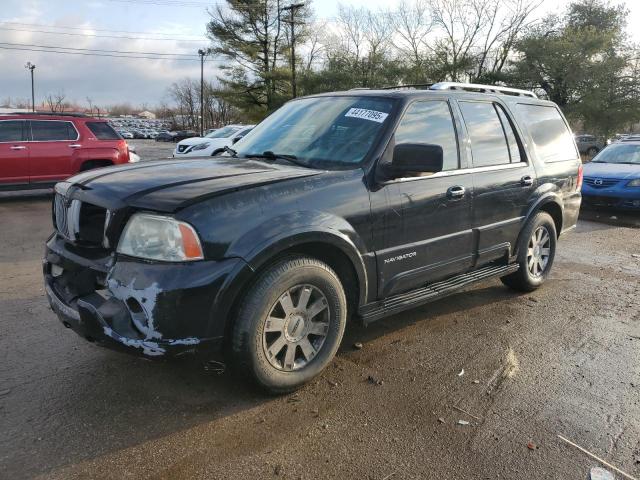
(521, 369)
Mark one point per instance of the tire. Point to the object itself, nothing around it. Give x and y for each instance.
(264, 324)
(534, 269)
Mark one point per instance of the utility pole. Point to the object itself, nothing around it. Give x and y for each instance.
(202, 52)
(292, 11)
(30, 66)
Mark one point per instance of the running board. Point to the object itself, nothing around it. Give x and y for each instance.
(434, 291)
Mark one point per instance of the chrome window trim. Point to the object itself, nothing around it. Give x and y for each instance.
(23, 128)
(462, 171)
(48, 120)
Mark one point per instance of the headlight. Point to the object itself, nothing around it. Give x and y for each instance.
(634, 183)
(200, 146)
(155, 237)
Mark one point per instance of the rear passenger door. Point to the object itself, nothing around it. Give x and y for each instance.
(14, 153)
(53, 146)
(503, 178)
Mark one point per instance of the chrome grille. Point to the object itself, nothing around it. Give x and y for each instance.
(596, 182)
(67, 216)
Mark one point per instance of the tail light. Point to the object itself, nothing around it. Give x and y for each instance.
(123, 149)
(580, 176)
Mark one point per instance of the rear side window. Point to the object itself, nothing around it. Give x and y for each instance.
(11, 131)
(512, 140)
(488, 141)
(551, 136)
(431, 123)
(103, 131)
(52, 130)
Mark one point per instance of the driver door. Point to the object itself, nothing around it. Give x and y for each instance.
(423, 223)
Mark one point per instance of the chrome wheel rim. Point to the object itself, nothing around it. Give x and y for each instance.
(296, 328)
(538, 251)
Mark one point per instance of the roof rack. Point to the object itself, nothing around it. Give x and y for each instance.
(409, 85)
(475, 87)
(48, 114)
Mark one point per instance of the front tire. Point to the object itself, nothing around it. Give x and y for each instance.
(536, 252)
(290, 324)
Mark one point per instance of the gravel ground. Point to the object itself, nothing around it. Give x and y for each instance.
(562, 360)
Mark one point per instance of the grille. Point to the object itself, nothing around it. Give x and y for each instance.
(600, 182)
(78, 221)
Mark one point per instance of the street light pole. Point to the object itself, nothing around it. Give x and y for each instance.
(30, 66)
(292, 10)
(202, 52)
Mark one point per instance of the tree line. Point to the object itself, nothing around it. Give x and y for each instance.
(582, 59)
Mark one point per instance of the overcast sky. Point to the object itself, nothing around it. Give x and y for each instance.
(174, 29)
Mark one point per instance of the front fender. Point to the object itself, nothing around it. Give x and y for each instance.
(268, 240)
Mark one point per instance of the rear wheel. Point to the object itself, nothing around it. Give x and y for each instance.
(536, 251)
(290, 324)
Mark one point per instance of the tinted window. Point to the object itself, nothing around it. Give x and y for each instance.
(51, 130)
(11, 131)
(223, 132)
(551, 137)
(430, 123)
(103, 131)
(512, 141)
(488, 141)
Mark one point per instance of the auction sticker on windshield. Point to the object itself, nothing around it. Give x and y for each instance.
(365, 114)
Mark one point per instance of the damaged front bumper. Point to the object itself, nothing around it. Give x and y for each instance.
(149, 309)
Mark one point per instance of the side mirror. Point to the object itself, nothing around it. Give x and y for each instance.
(410, 159)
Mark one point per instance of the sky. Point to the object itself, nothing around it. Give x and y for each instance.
(173, 26)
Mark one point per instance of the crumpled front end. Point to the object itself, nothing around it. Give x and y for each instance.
(150, 309)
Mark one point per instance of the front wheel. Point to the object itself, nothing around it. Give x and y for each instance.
(536, 251)
(290, 324)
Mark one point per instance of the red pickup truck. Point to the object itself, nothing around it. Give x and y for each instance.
(37, 150)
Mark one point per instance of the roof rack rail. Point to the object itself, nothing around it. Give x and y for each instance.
(475, 87)
(48, 114)
(359, 88)
(408, 85)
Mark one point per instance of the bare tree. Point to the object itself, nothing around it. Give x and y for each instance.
(412, 23)
(56, 102)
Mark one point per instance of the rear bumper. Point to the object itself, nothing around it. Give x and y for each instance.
(153, 310)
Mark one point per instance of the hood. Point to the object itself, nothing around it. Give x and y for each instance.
(618, 171)
(168, 186)
(211, 141)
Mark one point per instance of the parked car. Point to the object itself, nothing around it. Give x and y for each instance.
(612, 179)
(588, 145)
(166, 137)
(353, 204)
(38, 150)
(182, 134)
(125, 134)
(213, 143)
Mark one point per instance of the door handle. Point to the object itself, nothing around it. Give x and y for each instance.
(526, 181)
(75, 145)
(456, 192)
(18, 147)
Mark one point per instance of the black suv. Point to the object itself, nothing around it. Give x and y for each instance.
(352, 204)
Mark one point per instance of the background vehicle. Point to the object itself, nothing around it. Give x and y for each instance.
(38, 150)
(588, 145)
(182, 134)
(213, 143)
(166, 137)
(612, 179)
(361, 203)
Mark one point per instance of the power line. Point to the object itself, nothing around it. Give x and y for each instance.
(93, 50)
(94, 29)
(100, 36)
(167, 3)
(24, 49)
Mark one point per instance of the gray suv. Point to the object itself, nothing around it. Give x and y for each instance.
(588, 145)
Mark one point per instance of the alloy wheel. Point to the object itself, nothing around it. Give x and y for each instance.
(296, 327)
(538, 251)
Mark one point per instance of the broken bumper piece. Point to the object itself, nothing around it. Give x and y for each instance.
(154, 310)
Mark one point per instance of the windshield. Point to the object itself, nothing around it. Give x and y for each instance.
(223, 132)
(320, 132)
(619, 153)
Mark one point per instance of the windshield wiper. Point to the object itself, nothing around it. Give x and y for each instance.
(230, 150)
(269, 155)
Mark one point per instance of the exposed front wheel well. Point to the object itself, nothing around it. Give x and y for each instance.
(91, 164)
